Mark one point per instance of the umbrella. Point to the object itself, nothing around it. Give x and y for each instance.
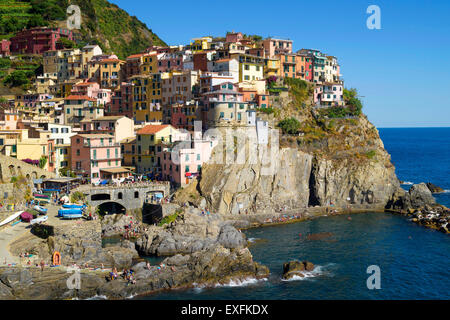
(26, 216)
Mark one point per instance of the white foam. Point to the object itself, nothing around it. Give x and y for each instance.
(241, 283)
(317, 271)
(97, 297)
(252, 239)
(408, 183)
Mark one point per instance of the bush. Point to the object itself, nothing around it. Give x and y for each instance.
(169, 219)
(371, 154)
(17, 78)
(77, 196)
(289, 126)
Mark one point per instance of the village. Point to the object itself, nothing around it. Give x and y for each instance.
(104, 120)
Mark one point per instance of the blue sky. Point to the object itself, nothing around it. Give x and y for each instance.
(402, 71)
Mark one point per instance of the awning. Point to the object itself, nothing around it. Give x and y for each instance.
(188, 174)
(159, 195)
(115, 170)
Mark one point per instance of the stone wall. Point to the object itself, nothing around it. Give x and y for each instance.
(10, 167)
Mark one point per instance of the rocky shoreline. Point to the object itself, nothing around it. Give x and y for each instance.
(198, 249)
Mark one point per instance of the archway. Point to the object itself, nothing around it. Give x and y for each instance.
(111, 207)
(100, 196)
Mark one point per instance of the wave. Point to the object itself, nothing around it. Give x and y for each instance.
(409, 183)
(252, 239)
(241, 283)
(316, 272)
(97, 297)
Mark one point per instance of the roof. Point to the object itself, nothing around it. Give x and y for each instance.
(110, 60)
(108, 118)
(152, 128)
(133, 56)
(115, 170)
(95, 135)
(85, 83)
(75, 97)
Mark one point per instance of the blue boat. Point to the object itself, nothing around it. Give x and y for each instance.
(40, 209)
(62, 212)
(74, 206)
(72, 215)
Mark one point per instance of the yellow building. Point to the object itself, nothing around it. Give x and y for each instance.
(148, 143)
(271, 67)
(149, 63)
(250, 67)
(110, 74)
(200, 44)
(128, 151)
(147, 97)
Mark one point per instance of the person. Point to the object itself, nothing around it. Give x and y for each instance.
(42, 265)
(148, 265)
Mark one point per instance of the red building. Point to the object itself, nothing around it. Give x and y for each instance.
(122, 101)
(5, 47)
(200, 61)
(38, 40)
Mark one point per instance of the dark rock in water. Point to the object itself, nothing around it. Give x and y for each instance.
(319, 236)
(420, 195)
(296, 268)
(230, 237)
(434, 188)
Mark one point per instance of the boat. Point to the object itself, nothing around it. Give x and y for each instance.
(10, 218)
(40, 209)
(39, 220)
(62, 212)
(73, 206)
(72, 215)
(40, 195)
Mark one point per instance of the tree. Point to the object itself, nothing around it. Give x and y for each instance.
(17, 78)
(42, 162)
(66, 43)
(289, 126)
(36, 21)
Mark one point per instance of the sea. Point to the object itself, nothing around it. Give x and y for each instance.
(412, 261)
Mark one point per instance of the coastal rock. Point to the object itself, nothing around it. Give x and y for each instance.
(420, 195)
(114, 224)
(434, 189)
(120, 257)
(16, 277)
(296, 268)
(230, 237)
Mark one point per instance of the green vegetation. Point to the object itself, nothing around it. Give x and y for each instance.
(300, 90)
(77, 196)
(371, 154)
(66, 43)
(289, 126)
(17, 78)
(42, 162)
(353, 106)
(170, 218)
(103, 23)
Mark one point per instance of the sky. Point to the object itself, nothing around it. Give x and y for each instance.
(401, 71)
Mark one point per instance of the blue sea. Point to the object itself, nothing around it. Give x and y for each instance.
(413, 261)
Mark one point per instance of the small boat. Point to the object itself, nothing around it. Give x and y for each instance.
(39, 220)
(73, 206)
(40, 195)
(62, 212)
(40, 209)
(72, 215)
(11, 218)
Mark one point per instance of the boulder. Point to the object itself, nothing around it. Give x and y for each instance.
(296, 268)
(230, 237)
(420, 196)
(433, 188)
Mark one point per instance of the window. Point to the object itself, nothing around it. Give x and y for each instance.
(198, 157)
(186, 169)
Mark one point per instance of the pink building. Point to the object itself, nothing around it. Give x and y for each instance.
(181, 164)
(38, 40)
(92, 90)
(97, 156)
(273, 47)
(5, 47)
(234, 37)
(170, 62)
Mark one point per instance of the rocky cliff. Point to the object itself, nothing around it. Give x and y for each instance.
(340, 162)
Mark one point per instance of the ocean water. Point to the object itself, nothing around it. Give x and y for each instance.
(420, 155)
(413, 261)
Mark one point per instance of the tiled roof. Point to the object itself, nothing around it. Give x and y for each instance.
(75, 97)
(152, 128)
